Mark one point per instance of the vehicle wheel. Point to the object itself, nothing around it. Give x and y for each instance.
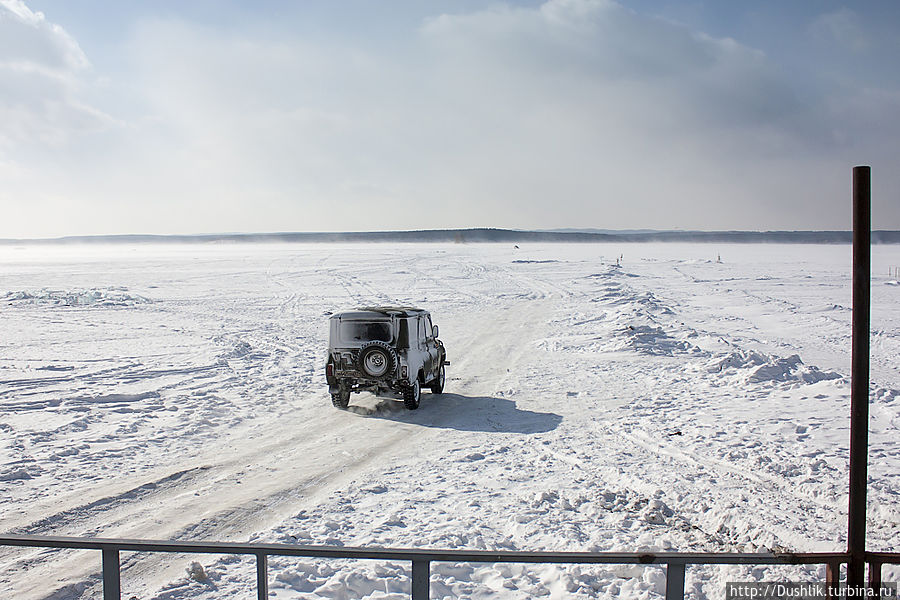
(411, 395)
(437, 386)
(341, 399)
(377, 360)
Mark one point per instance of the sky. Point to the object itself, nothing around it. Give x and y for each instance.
(174, 117)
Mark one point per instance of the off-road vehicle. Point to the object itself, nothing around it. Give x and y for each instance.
(390, 351)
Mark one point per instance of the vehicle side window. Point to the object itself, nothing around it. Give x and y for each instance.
(428, 328)
(421, 323)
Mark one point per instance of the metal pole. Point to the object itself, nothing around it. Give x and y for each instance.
(421, 579)
(875, 575)
(859, 384)
(112, 585)
(833, 577)
(262, 576)
(675, 581)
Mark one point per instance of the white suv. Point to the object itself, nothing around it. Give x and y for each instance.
(391, 351)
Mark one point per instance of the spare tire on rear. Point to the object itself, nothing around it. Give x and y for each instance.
(377, 360)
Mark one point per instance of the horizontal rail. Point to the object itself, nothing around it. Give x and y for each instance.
(408, 554)
(675, 562)
(886, 558)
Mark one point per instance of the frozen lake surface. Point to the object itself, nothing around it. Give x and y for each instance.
(671, 401)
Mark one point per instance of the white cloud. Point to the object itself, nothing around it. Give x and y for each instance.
(653, 73)
(41, 71)
(842, 26)
(493, 115)
(30, 41)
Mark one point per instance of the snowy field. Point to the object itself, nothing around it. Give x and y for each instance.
(672, 402)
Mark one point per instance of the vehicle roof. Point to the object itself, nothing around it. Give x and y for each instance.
(380, 312)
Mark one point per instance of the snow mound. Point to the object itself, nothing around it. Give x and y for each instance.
(649, 340)
(622, 319)
(114, 398)
(751, 366)
(324, 581)
(885, 396)
(650, 302)
(654, 340)
(242, 349)
(15, 473)
(196, 572)
(94, 297)
(656, 512)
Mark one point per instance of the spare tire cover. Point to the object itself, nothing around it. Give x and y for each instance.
(377, 360)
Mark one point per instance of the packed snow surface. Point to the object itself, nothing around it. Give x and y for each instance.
(600, 398)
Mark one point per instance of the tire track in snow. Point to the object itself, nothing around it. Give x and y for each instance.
(288, 472)
(223, 500)
(711, 474)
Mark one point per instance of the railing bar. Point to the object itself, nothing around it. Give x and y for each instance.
(262, 576)
(112, 585)
(887, 558)
(478, 556)
(675, 581)
(675, 562)
(421, 579)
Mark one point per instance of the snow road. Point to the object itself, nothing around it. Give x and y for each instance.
(670, 401)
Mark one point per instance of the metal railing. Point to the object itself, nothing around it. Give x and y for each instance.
(675, 563)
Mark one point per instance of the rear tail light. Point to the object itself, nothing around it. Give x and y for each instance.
(329, 370)
(404, 371)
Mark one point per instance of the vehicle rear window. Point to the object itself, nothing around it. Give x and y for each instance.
(365, 331)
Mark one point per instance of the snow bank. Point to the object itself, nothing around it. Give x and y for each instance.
(95, 297)
(749, 366)
(621, 318)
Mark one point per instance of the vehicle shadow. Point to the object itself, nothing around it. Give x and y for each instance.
(462, 413)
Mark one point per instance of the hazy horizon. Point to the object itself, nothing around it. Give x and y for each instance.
(477, 235)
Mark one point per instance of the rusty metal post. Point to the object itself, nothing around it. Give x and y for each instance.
(859, 383)
(875, 575)
(833, 577)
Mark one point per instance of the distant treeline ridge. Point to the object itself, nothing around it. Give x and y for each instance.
(482, 235)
